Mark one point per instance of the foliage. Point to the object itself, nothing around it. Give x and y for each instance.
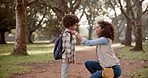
(53, 26)
(36, 16)
(62, 7)
(56, 11)
(7, 16)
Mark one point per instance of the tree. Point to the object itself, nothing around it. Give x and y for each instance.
(62, 7)
(128, 15)
(7, 19)
(138, 24)
(53, 25)
(91, 10)
(117, 20)
(145, 27)
(136, 21)
(36, 14)
(59, 9)
(21, 27)
(120, 27)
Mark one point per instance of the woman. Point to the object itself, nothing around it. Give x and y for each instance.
(105, 55)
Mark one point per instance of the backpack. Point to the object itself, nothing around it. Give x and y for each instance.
(58, 49)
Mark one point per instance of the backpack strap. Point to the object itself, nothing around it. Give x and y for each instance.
(70, 35)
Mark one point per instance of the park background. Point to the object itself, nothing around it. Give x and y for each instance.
(28, 29)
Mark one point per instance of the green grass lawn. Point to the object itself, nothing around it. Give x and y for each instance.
(6, 49)
(127, 54)
(9, 63)
(7, 70)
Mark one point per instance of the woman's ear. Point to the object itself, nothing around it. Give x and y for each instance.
(102, 29)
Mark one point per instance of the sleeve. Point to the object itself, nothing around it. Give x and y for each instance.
(66, 44)
(99, 41)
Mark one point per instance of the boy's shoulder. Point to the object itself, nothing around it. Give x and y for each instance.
(67, 33)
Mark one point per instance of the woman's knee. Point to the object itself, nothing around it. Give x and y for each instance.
(87, 63)
(117, 71)
(97, 74)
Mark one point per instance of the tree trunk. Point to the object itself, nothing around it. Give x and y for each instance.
(138, 46)
(30, 37)
(77, 40)
(2, 38)
(128, 35)
(90, 33)
(21, 26)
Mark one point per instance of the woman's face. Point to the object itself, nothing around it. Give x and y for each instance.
(98, 29)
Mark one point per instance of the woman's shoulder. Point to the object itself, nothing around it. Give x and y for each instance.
(103, 40)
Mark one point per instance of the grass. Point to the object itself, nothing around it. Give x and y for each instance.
(43, 52)
(127, 54)
(7, 70)
(9, 63)
(6, 49)
(15, 59)
(140, 73)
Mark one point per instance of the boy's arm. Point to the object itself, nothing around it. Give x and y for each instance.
(66, 45)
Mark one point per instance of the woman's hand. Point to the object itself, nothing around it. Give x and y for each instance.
(76, 34)
(73, 32)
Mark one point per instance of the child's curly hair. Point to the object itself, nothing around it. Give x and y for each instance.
(70, 20)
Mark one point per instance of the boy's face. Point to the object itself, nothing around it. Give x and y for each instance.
(74, 27)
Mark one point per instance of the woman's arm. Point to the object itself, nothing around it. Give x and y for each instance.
(99, 41)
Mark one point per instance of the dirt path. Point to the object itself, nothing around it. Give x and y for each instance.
(51, 69)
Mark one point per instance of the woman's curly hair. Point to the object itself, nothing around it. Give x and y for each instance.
(109, 30)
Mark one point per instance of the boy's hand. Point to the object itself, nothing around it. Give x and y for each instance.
(70, 61)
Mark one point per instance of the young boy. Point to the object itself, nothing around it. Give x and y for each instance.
(70, 21)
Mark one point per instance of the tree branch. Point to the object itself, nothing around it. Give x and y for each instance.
(115, 12)
(56, 10)
(76, 3)
(145, 10)
(39, 24)
(31, 2)
(122, 10)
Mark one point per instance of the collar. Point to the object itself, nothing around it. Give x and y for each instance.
(66, 30)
